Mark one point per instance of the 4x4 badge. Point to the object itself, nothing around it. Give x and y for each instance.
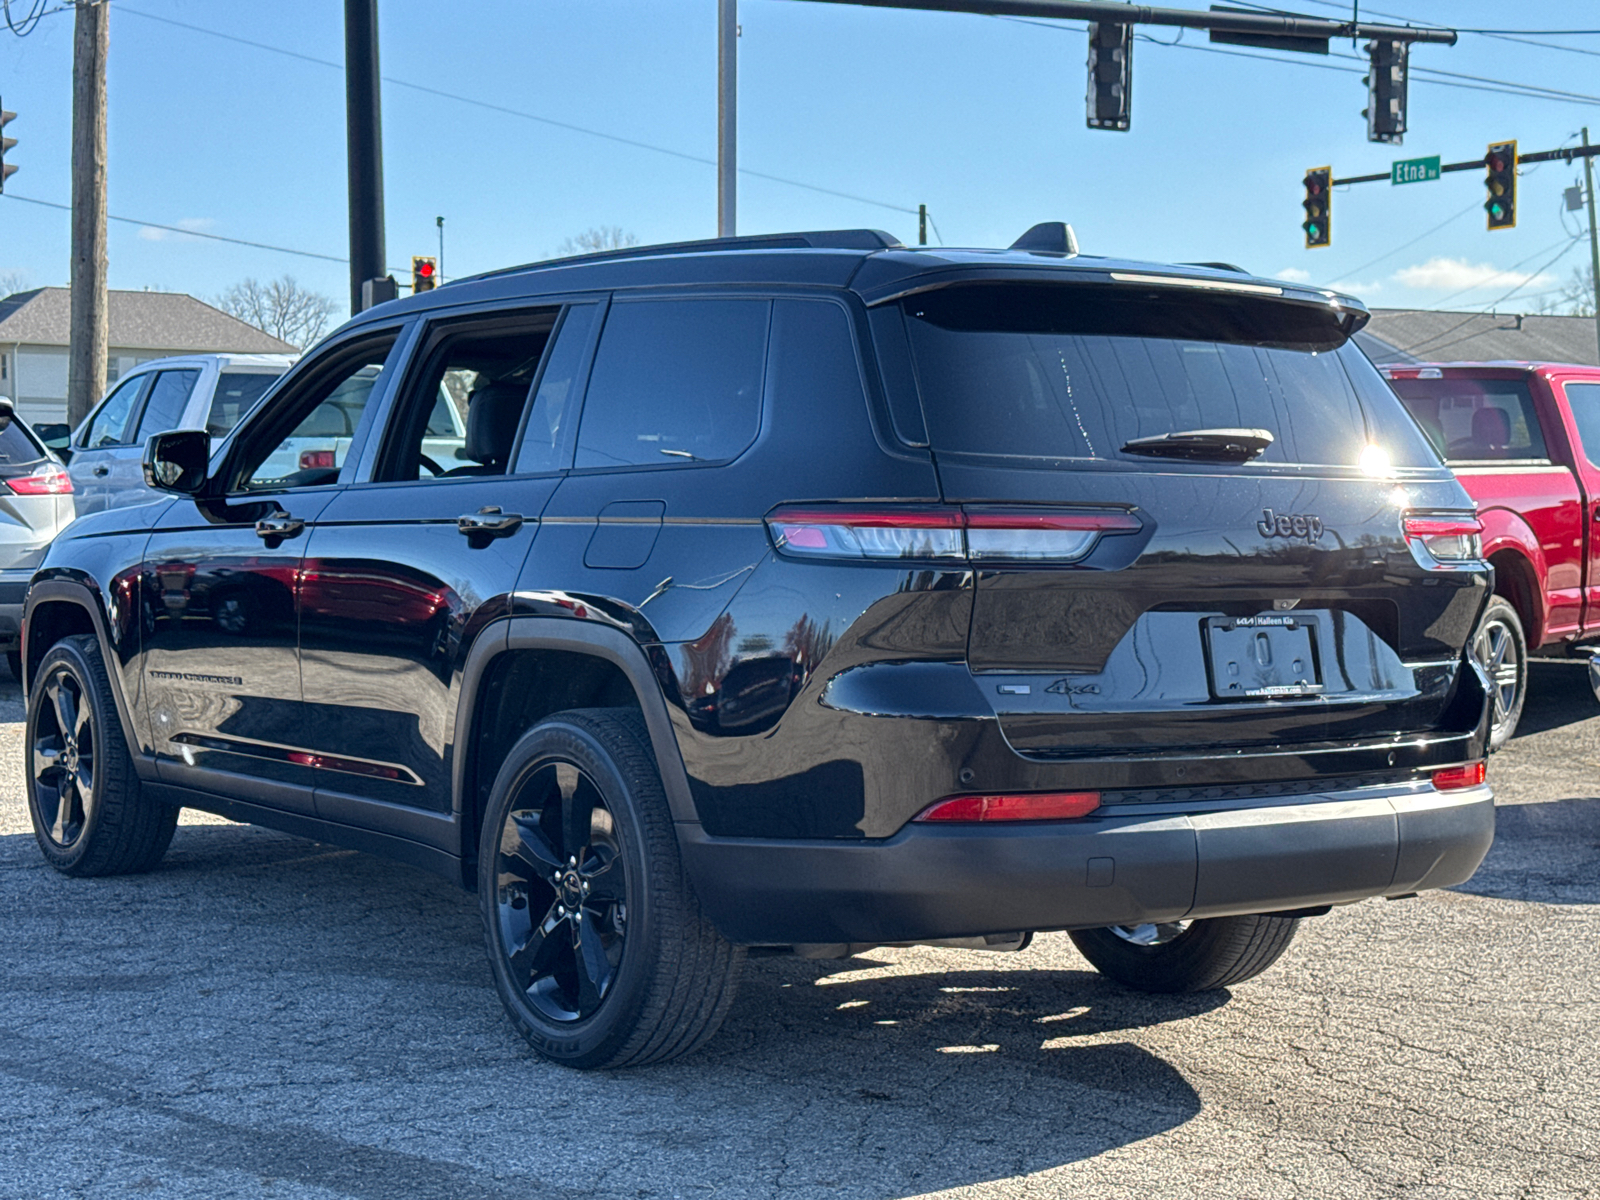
(1289, 525)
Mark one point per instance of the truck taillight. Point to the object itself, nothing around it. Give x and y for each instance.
(1445, 540)
(955, 535)
(47, 479)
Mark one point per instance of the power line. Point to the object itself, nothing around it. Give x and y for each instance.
(506, 110)
(214, 237)
(1565, 249)
(1402, 246)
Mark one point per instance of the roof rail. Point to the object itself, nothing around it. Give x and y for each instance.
(824, 239)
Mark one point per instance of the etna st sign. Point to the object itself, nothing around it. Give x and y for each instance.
(1414, 170)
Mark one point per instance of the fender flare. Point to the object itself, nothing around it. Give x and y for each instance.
(576, 637)
(90, 599)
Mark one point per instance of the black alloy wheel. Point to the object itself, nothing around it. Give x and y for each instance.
(599, 951)
(561, 893)
(63, 744)
(90, 813)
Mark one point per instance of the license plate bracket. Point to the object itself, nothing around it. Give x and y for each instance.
(1265, 657)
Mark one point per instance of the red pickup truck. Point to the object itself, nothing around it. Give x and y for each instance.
(1524, 438)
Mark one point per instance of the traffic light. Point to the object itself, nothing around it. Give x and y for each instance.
(6, 169)
(423, 273)
(1501, 181)
(1319, 207)
(1110, 75)
(1386, 91)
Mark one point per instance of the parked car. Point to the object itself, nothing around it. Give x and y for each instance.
(879, 596)
(194, 391)
(1524, 439)
(35, 505)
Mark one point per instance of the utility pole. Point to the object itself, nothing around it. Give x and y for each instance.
(439, 221)
(1594, 241)
(89, 323)
(727, 117)
(922, 224)
(364, 141)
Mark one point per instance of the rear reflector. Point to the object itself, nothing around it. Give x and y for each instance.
(316, 460)
(1447, 540)
(1039, 806)
(1466, 775)
(48, 479)
(946, 534)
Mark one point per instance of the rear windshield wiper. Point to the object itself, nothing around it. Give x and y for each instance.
(1207, 445)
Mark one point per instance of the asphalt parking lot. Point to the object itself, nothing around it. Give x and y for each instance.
(270, 1017)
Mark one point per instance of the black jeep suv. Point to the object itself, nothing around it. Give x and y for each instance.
(801, 592)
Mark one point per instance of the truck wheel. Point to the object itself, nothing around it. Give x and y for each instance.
(1187, 956)
(1503, 650)
(90, 814)
(597, 944)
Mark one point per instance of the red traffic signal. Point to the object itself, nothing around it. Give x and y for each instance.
(424, 273)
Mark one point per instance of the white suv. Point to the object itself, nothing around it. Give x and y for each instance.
(194, 391)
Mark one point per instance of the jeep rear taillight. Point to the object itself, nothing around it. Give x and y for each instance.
(1467, 775)
(1446, 539)
(955, 535)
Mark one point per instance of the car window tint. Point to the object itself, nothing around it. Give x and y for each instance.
(1475, 420)
(462, 411)
(16, 446)
(1039, 374)
(325, 413)
(675, 381)
(1584, 401)
(553, 404)
(163, 408)
(111, 421)
(237, 393)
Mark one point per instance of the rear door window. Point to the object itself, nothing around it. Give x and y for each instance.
(675, 381)
(17, 447)
(163, 410)
(237, 393)
(1049, 373)
(1476, 420)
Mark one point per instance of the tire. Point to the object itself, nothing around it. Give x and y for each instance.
(14, 664)
(599, 950)
(1502, 648)
(100, 822)
(1193, 956)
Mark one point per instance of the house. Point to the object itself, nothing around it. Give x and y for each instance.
(144, 325)
(1402, 335)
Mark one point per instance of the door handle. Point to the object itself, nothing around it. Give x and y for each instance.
(275, 529)
(488, 523)
(107, 471)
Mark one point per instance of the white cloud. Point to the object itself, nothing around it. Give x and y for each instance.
(1459, 275)
(1355, 288)
(199, 224)
(1294, 275)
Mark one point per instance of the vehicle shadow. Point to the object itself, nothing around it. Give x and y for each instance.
(1547, 852)
(1558, 695)
(250, 958)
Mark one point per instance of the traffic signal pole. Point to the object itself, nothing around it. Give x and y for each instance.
(727, 118)
(1594, 240)
(364, 146)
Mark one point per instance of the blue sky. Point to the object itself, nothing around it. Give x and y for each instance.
(980, 118)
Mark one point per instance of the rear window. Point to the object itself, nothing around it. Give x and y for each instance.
(1074, 372)
(236, 394)
(17, 447)
(1475, 420)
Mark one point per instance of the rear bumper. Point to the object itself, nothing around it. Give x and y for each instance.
(960, 881)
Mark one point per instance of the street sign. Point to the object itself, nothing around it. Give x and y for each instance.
(1414, 170)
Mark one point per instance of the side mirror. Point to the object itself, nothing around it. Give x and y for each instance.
(7, 411)
(178, 461)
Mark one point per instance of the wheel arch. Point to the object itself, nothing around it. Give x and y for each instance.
(1513, 550)
(526, 668)
(58, 608)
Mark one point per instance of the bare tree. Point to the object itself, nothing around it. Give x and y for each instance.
(601, 237)
(1576, 298)
(280, 307)
(12, 282)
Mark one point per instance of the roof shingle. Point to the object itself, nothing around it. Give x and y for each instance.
(139, 321)
(1399, 335)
